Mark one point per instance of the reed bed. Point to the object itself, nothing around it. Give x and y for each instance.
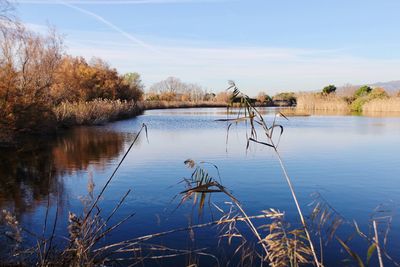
(383, 105)
(94, 112)
(311, 101)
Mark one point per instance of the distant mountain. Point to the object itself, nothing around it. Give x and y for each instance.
(392, 86)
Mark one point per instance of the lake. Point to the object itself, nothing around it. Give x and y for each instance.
(353, 162)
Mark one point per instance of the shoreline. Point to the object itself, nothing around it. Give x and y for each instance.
(134, 109)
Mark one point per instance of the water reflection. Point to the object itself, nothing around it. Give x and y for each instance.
(33, 172)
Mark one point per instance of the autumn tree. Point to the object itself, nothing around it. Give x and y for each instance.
(28, 62)
(78, 80)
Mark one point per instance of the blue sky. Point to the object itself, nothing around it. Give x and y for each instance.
(263, 45)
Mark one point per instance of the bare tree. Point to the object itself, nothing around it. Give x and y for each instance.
(6, 11)
(174, 89)
(170, 85)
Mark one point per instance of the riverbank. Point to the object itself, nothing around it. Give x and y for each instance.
(375, 102)
(102, 111)
(97, 112)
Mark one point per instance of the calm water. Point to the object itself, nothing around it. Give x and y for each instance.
(352, 161)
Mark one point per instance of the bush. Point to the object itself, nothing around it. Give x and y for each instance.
(367, 94)
(363, 91)
(358, 104)
(378, 93)
(329, 89)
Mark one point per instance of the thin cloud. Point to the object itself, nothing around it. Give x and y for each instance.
(254, 68)
(117, 2)
(112, 26)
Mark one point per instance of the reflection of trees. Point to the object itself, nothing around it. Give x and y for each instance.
(33, 171)
(85, 146)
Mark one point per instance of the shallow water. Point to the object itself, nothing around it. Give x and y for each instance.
(352, 161)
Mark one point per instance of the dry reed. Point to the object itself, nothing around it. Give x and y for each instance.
(391, 104)
(311, 101)
(98, 111)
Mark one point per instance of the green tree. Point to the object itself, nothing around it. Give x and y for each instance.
(363, 91)
(329, 89)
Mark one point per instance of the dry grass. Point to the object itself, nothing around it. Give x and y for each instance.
(311, 101)
(383, 105)
(98, 111)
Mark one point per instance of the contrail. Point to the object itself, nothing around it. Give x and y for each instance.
(120, 2)
(112, 26)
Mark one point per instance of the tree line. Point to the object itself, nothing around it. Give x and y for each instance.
(36, 75)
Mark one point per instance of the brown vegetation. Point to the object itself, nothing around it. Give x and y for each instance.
(391, 104)
(27, 65)
(97, 111)
(312, 101)
(40, 85)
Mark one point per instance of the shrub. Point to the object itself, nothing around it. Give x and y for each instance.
(363, 91)
(377, 93)
(329, 89)
(358, 103)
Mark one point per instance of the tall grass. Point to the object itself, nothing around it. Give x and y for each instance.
(98, 111)
(391, 104)
(311, 101)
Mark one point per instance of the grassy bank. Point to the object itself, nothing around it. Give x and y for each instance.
(100, 111)
(375, 101)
